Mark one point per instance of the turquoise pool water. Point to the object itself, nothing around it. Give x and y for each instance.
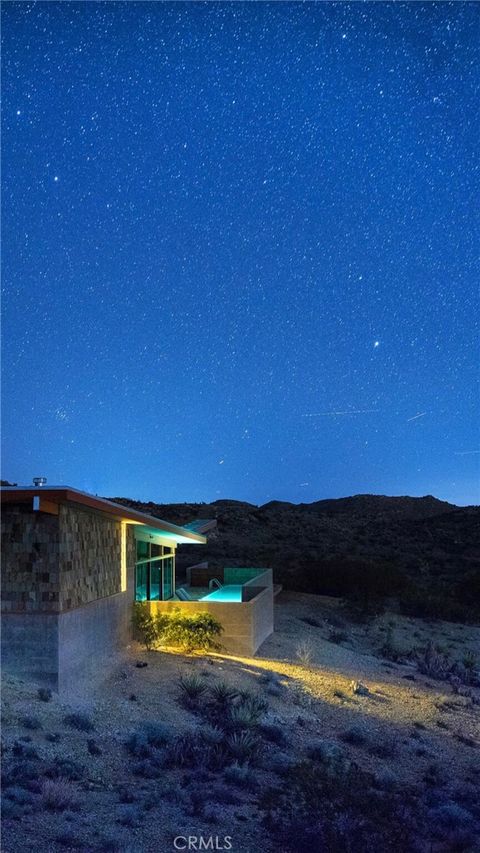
(229, 592)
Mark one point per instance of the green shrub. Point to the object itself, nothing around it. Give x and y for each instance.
(144, 625)
(195, 632)
(188, 632)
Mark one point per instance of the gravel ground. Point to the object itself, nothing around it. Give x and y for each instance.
(425, 720)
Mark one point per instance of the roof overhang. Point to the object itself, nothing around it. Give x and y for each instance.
(48, 498)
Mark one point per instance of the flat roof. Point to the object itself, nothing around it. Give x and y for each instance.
(66, 494)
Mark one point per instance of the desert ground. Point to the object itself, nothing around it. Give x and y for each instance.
(75, 779)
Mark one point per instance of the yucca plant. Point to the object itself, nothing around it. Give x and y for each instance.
(223, 693)
(192, 688)
(211, 734)
(242, 746)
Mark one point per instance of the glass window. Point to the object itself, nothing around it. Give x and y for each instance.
(154, 571)
(141, 579)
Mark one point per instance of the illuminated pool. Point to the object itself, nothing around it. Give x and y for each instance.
(229, 592)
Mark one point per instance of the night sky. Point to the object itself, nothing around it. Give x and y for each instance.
(240, 249)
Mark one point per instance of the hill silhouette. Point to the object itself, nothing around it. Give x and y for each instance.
(423, 551)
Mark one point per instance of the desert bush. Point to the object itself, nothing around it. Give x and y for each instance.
(280, 763)
(79, 721)
(317, 810)
(157, 734)
(128, 815)
(65, 768)
(148, 768)
(450, 815)
(32, 723)
(390, 649)
(273, 733)
(336, 636)
(24, 750)
(44, 694)
(25, 773)
(386, 780)
(20, 796)
(384, 748)
(59, 794)
(241, 775)
(355, 735)
(93, 747)
(224, 795)
(433, 662)
(330, 755)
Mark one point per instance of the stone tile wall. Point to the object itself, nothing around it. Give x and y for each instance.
(90, 556)
(30, 561)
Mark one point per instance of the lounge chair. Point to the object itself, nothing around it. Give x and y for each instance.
(183, 595)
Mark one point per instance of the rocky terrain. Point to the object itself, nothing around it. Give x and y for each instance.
(337, 736)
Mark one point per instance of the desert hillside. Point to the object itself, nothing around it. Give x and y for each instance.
(423, 551)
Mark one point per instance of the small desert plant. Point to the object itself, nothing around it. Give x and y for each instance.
(32, 723)
(79, 721)
(44, 694)
(390, 650)
(355, 736)
(128, 815)
(274, 734)
(246, 715)
(336, 636)
(192, 689)
(469, 661)
(304, 653)
(147, 769)
(386, 748)
(242, 746)
(222, 693)
(211, 734)
(433, 662)
(157, 734)
(241, 775)
(65, 768)
(59, 794)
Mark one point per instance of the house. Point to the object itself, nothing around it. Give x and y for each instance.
(74, 564)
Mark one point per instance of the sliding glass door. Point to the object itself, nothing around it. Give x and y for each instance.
(154, 571)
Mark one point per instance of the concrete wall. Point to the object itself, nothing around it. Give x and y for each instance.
(246, 624)
(90, 639)
(30, 647)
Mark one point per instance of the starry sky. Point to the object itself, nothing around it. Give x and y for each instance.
(240, 248)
